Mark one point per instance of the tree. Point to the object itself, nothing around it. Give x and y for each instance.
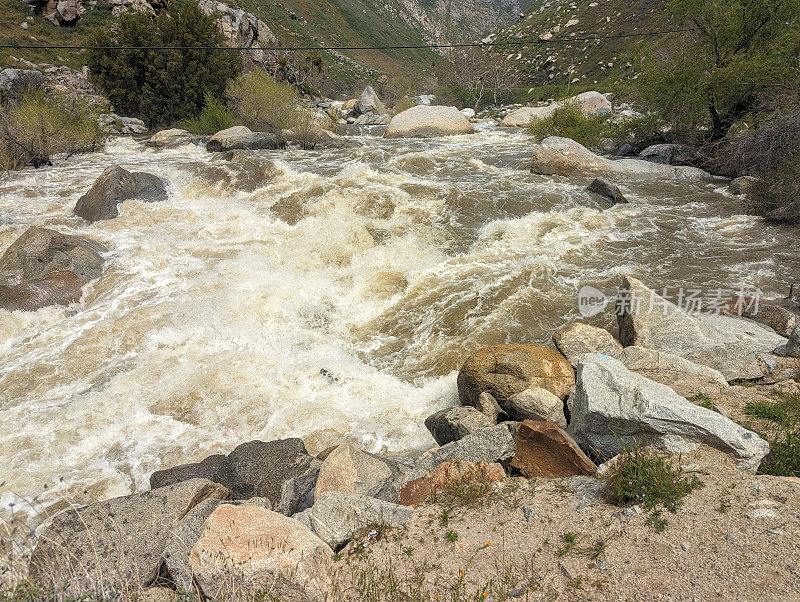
(483, 72)
(163, 86)
(738, 54)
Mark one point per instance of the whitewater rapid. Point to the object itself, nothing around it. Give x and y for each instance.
(324, 294)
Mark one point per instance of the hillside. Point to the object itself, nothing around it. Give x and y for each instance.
(324, 23)
(560, 57)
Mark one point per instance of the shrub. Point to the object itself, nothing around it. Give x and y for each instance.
(569, 121)
(641, 132)
(214, 117)
(262, 104)
(162, 86)
(40, 124)
(652, 481)
(782, 430)
(308, 126)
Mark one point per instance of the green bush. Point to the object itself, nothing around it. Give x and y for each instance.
(39, 125)
(214, 118)
(641, 132)
(162, 87)
(781, 420)
(569, 121)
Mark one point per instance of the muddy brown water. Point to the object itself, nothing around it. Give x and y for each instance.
(322, 294)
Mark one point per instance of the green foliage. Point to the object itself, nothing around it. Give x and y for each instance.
(162, 86)
(736, 58)
(38, 125)
(782, 431)
(404, 104)
(451, 536)
(214, 118)
(776, 194)
(569, 121)
(641, 132)
(650, 480)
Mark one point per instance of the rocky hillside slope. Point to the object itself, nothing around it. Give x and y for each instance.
(562, 55)
(323, 23)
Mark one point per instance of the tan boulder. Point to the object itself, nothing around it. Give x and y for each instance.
(578, 339)
(545, 450)
(521, 117)
(247, 551)
(349, 104)
(449, 474)
(347, 469)
(536, 403)
(428, 121)
(504, 370)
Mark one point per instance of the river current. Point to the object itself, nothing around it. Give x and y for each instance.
(324, 294)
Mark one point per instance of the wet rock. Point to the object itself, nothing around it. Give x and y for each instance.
(182, 539)
(564, 157)
(455, 423)
(504, 370)
(489, 445)
(626, 150)
(578, 339)
(449, 474)
(281, 471)
(336, 517)
(114, 186)
(242, 138)
(115, 124)
(119, 541)
(743, 185)
(729, 344)
(544, 450)
(347, 469)
(209, 468)
(670, 154)
(20, 79)
(171, 138)
(246, 550)
(44, 267)
(536, 403)
(427, 122)
(613, 406)
(606, 189)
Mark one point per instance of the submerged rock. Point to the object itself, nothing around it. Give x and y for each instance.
(427, 122)
(564, 157)
(118, 542)
(606, 189)
(45, 267)
(336, 517)
(545, 450)
(244, 551)
(613, 407)
(114, 186)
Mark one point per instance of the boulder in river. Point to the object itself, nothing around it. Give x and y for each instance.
(608, 190)
(613, 407)
(452, 424)
(730, 344)
(520, 118)
(368, 103)
(545, 450)
(171, 138)
(118, 542)
(557, 156)
(247, 551)
(45, 267)
(504, 370)
(670, 154)
(427, 122)
(114, 186)
(240, 137)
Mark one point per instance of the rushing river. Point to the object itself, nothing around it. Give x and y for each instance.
(322, 294)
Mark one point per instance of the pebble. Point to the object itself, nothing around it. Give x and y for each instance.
(690, 467)
(685, 546)
(759, 513)
(775, 531)
(729, 537)
(632, 511)
(764, 504)
(529, 513)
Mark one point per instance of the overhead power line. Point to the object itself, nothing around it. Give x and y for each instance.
(511, 43)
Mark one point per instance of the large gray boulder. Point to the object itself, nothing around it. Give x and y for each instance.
(181, 541)
(452, 424)
(520, 118)
(336, 517)
(118, 542)
(240, 137)
(613, 407)
(489, 445)
(45, 267)
(670, 154)
(557, 156)
(729, 344)
(369, 102)
(114, 186)
(350, 470)
(676, 372)
(208, 468)
(428, 122)
(171, 138)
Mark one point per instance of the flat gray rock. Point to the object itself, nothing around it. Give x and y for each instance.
(452, 424)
